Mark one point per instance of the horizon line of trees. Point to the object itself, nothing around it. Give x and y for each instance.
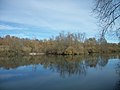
(63, 44)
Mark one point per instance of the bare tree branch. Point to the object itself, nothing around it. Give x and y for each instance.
(108, 13)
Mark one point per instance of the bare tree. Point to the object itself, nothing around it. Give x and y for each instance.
(108, 12)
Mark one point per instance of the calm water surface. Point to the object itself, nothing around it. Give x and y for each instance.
(92, 72)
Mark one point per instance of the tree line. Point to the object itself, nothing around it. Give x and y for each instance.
(63, 44)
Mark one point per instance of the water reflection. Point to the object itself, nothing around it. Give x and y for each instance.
(117, 85)
(65, 65)
(91, 72)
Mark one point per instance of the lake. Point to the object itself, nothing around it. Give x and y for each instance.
(89, 72)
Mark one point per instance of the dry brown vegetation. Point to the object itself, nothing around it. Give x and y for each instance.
(63, 44)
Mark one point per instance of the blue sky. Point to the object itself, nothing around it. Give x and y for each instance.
(44, 18)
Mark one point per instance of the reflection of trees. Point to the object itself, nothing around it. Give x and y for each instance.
(69, 67)
(118, 68)
(93, 60)
(14, 62)
(117, 86)
(103, 60)
(65, 65)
